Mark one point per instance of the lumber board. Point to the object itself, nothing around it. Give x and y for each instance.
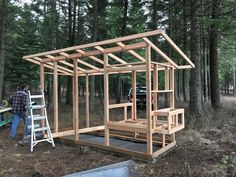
(116, 58)
(106, 100)
(87, 100)
(55, 96)
(119, 105)
(119, 39)
(42, 88)
(75, 100)
(164, 149)
(148, 100)
(160, 52)
(134, 107)
(177, 49)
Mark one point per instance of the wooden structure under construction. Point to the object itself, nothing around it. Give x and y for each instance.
(99, 58)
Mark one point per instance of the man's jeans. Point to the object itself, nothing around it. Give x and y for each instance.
(15, 122)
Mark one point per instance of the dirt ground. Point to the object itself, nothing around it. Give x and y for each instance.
(207, 147)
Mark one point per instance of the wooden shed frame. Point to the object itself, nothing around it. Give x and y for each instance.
(160, 125)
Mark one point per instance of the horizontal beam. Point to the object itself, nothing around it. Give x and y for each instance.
(120, 105)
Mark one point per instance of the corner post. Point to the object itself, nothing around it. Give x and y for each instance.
(42, 88)
(75, 100)
(55, 96)
(106, 99)
(134, 107)
(87, 100)
(148, 100)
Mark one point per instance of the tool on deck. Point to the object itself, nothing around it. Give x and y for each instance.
(39, 117)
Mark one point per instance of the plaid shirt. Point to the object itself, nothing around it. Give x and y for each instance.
(18, 102)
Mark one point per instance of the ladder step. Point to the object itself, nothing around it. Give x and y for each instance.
(47, 139)
(36, 96)
(39, 117)
(40, 129)
(38, 106)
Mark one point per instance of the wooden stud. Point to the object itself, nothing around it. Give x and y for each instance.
(55, 96)
(134, 110)
(87, 100)
(106, 100)
(163, 140)
(148, 100)
(42, 88)
(125, 113)
(172, 82)
(167, 78)
(135, 54)
(75, 100)
(155, 87)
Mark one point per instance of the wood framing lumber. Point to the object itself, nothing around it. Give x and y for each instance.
(82, 130)
(71, 65)
(162, 91)
(177, 49)
(135, 54)
(172, 87)
(87, 64)
(155, 87)
(47, 66)
(91, 57)
(131, 51)
(126, 64)
(134, 110)
(106, 100)
(42, 88)
(160, 52)
(126, 38)
(184, 67)
(111, 106)
(148, 100)
(162, 150)
(129, 127)
(167, 78)
(131, 68)
(116, 58)
(75, 100)
(55, 97)
(87, 101)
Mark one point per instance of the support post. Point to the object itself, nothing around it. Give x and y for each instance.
(134, 107)
(148, 100)
(155, 87)
(55, 96)
(75, 100)
(42, 88)
(106, 100)
(87, 100)
(172, 93)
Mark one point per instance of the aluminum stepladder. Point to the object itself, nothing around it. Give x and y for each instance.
(39, 117)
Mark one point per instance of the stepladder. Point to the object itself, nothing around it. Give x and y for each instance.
(39, 120)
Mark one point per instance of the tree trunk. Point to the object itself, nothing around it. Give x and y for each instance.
(195, 80)
(118, 79)
(185, 36)
(95, 38)
(215, 94)
(234, 80)
(2, 42)
(71, 42)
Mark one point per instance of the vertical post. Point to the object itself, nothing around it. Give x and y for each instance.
(155, 87)
(55, 96)
(167, 78)
(172, 82)
(75, 100)
(134, 107)
(42, 88)
(148, 99)
(87, 100)
(125, 113)
(106, 100)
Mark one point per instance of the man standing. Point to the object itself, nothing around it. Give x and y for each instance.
(18, 101)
